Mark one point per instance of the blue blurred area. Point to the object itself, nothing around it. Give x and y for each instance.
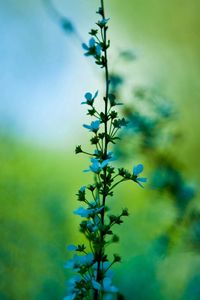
(41, 82)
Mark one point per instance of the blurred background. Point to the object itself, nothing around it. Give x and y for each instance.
(155, 68)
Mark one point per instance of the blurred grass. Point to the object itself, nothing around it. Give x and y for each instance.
(166, 34)
(37, 199)
(33, 201)
(35, 189)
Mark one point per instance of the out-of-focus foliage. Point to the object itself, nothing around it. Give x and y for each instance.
(153, 136)
(166, 36)
(33, 222)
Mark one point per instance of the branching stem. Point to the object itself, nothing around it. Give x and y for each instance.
(101, 251)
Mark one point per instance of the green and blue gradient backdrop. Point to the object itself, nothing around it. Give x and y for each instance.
(43, 78)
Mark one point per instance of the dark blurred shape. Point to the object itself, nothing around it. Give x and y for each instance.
(65, 23)
(167, 178)
(141, 282)
(128, 55)
(192, 291)
(193, 231)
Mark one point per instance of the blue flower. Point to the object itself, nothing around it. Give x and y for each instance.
(106, 162)
(72, 287)
(98, 50)
(72, 281)
(81, 211)
(103, 22)
(96, 285)
(91, 226)
(70, 297)
(79, 260)
(82, 189)
(93, 48)
(92, 42)
(86, 213)
(136, 171)
(94, 126)
(97, 166)
(107, 286)
(91, 45)
(89, 98)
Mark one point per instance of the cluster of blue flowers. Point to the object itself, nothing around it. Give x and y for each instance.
(91, 262)
(166, 177)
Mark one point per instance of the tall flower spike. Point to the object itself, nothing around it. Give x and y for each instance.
(93, 265)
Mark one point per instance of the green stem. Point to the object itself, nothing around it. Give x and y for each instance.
(87, 153)
(101, 251)
(114, 185)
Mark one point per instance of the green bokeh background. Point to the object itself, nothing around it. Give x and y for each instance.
(38, 182)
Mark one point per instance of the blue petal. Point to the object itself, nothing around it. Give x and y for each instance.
(86, 126)
(95, 125)
(95, 168)
(98, 50)
(71, 247)
(96, 285)
(97, 122)
(138, 169)
(82, 212)
(84, 46)
(92, 42)
(69, 264)
(104, 163)
(82, 189)
(94, 160)
(142, 179)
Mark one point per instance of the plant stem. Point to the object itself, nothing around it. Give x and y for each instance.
(112, 187)
(101, 251)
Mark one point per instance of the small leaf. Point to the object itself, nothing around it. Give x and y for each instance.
(78, 149)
